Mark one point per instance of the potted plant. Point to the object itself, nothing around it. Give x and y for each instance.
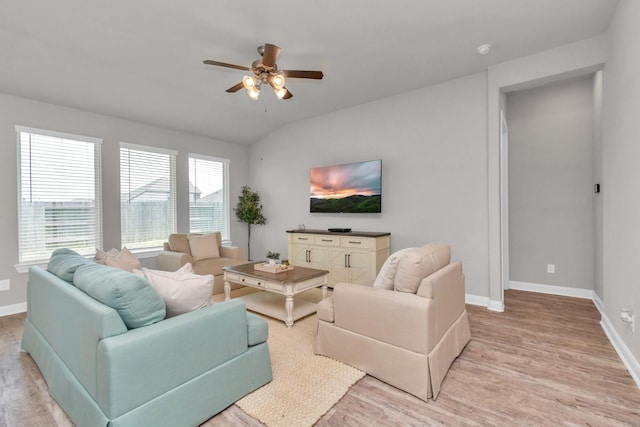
(249, 210)
(273, 257)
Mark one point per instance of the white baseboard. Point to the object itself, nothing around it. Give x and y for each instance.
(496, 306)
(550, 289)
(618, 344)
(476, 300)
(7, 310)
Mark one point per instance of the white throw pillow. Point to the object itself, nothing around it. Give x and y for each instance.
(204, 246)
(387, 274)
(182, 290)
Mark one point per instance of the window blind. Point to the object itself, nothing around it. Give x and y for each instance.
(147, 195)
(59, 194)
(208, 195)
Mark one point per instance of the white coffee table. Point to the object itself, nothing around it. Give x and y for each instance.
(277, 300)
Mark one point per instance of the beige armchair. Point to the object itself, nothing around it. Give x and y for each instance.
(406, 329)
(205, 252)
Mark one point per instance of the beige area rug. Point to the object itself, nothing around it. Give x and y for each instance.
(304, 386)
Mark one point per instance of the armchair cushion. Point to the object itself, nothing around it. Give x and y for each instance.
(418, 263)
(179, 243)
(387, 274)
(204, 246)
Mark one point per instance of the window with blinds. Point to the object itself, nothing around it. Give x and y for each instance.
(147, 195)
(208, 195)
(59, 192)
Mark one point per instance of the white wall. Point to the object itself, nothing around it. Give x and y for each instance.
(621, 174)
(20, 111)
(551, 184)
(432, 143)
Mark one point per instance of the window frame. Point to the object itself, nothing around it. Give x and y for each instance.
(225, 234)
(23, 265)
(173, 155)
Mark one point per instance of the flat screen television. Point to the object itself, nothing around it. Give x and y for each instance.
(347, 188)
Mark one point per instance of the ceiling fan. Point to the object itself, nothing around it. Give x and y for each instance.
(266, 71)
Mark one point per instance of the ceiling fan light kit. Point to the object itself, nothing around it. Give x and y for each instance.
(265, 70)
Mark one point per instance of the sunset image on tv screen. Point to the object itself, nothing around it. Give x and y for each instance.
(353, 187)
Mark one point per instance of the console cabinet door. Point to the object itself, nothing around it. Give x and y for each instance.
(338, 271)
(361, 266)
(350, 266)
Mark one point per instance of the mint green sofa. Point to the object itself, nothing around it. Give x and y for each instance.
(176, 372)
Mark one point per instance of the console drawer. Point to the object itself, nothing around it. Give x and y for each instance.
(303, 238)
(244, 280)
(355, 242)
(327, 240)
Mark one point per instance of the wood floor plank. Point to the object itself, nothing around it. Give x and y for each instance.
(545, 361)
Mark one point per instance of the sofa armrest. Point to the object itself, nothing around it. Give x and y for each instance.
(398, 318)
(144, 363)
(172, 261)
(233, 252)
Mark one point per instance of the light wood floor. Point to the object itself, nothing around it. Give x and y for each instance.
(545, 361)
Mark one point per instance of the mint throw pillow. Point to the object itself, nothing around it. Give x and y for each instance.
(64, 263)
(133, 297)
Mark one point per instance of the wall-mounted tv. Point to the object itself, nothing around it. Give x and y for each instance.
(347, 188)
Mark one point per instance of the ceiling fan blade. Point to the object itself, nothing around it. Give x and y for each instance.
(288, 94)
(235, 88)
(302, 74)
(270, 55)
(224, 64)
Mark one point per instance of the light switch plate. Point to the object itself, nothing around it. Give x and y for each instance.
(5, 285)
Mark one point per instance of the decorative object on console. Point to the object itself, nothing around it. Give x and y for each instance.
(347, 188)
(249, 210)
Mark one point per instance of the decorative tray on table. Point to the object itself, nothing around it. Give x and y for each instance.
(272, 268)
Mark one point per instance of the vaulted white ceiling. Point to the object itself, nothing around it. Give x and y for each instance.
(142, 59)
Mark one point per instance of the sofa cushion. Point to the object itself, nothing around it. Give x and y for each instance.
(204, 246)
(179, 243)
(387, 273)
(64, 263)
(131, 296)
(418, 263)
(182, 290)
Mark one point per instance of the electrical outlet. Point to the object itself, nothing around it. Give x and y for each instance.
(627, 317)
(5, 285)
(551, 268)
